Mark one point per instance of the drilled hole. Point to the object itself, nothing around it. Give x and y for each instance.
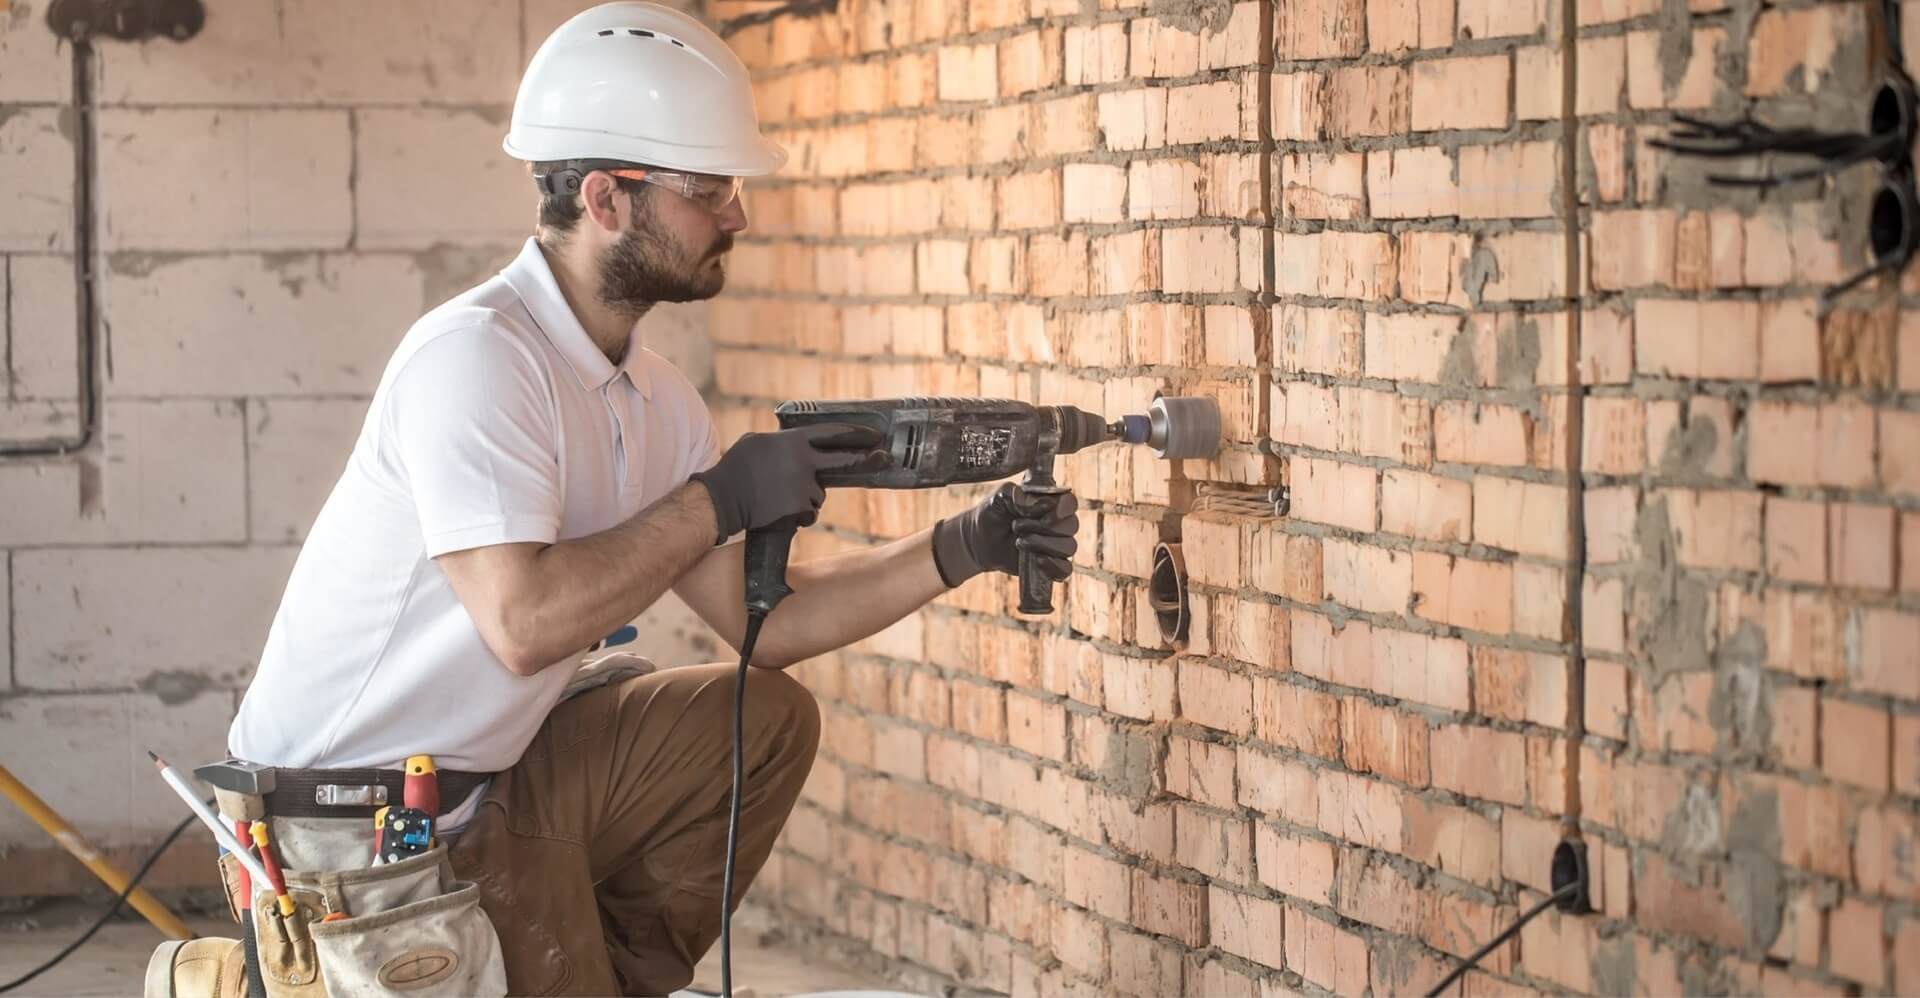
(1889, 228)
(1167, 593)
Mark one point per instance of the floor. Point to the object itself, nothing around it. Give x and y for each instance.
(114, 961)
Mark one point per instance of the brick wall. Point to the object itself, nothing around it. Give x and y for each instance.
(277, 199)
(1597, 518)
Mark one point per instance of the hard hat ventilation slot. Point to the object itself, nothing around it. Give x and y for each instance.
(639, 32)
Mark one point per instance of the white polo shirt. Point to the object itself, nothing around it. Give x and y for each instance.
(497, 420)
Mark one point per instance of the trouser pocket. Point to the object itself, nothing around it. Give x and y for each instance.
(442, 945)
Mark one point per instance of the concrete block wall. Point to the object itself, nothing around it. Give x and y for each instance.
(1600, 523)
(277, 199)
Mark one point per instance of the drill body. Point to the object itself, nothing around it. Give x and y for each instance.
(935, 442)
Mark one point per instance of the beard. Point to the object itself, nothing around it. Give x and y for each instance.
(646, 266)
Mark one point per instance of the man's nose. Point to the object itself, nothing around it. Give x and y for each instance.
(733, 218)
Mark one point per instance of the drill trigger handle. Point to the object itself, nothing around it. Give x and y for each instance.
(767, 550)
(1036, 589)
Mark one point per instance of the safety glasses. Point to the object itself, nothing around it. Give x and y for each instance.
(710, 192)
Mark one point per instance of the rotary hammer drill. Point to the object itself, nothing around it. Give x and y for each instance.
(935, 442)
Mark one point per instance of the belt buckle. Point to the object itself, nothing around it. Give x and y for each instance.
(350, 795)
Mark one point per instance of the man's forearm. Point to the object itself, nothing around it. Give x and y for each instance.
(845, 597)
(583, 589)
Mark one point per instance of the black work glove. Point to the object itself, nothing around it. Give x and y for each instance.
(766, 477)
(992, 535)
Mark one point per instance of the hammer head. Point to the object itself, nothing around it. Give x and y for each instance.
(238, 777)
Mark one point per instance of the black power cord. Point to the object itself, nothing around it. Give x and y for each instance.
(755, 618)
(1564, 893)
(132, 883)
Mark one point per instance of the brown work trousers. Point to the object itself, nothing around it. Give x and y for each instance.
(600, 854)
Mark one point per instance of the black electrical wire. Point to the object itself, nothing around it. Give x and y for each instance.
(1473, 961)
(755, 618)
(132, 883)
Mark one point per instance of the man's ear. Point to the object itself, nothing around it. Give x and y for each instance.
(602, 198)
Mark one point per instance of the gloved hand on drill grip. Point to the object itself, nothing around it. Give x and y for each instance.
(993, 534)
(766, 477)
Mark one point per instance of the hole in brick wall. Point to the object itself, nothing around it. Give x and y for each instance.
(1167, 592)
(1893, 107)
(1890, 228)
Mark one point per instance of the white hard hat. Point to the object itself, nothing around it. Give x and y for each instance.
(640, 83)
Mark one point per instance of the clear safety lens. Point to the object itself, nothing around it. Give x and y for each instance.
(711, 193)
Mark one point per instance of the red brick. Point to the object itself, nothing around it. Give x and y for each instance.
(1910, 552)
(1322, 185)
(1247, 927)
(1476, 595)
(1139, 688)
(1080, 941)
(1520, 686)
(1424, 506)
(1615, 436)
(1899, 446)
(1883, 852)
(1410, 347)
(1540, 98)
(1515, 180)
(1145, 963)
(1215, 698)
(1358, 265)
(1134, 119)
(1207, 112)
(1366, 100)
(1695, 339)
(1095, 54)
(1524, 517)
(1320, 29)
(1341, 495)
(1200, 771)
(1097, 884)
(1412, 183)
(1211, 844)
(1419, 667)
(1287, 565)
(1453, 840)
(1373, 579)
(1199, 260)
(1297, 867)
(1469, 92)
(1297, 717)
(1030, 61)
(1384, 425)
(1318, 340)
(1906, 754)
(1793, 51)
(1279, 787)
(1385, 741)
(968, 73)
(1716, 529)
(1859, 940)
(1854, 743)
(1795, 729)
(1477, 433)
(1862, 544)
(1399, 25)
(1480, 762)
(1432, 267)
(1906, 948)
(1331, 957)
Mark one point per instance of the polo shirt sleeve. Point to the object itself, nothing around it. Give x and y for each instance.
(473, 426)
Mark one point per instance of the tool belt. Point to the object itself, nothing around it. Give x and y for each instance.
(355, 793)
(406, 928)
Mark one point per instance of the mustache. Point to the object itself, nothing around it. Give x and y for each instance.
(721, 246)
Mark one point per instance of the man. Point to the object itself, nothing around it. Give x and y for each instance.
(529, 478)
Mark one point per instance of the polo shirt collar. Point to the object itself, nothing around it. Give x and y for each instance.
(533, 280)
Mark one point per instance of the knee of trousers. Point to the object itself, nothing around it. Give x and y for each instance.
(779, 700)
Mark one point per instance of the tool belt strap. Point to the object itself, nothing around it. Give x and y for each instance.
(356, 793)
